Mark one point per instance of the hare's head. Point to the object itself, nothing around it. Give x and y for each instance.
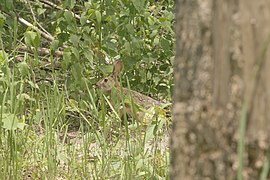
(106, 84)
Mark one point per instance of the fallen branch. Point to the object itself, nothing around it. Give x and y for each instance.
(48, 3)
(45, 35)
(41, 51)
(36, 21)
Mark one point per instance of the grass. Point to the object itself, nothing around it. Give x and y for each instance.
(47, 134)
(48, 131)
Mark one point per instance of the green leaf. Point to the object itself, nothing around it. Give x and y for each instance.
(2, 20)
(3, 58)
(89, 56)
(130, 28)
(28, 36)
(165, 44)
(140, 164)
(90, 12)
(76, 71)
(24, 69)
(76, 53)
(37, 40)
(32, 84)
(63, 37)
(98, 16)
(156, 79)
(69, 16)
(7, 4)
(149, 134)
(69, 4)
(11, 122)
(66, 59)
(156, 41)
(83, 20)
(40, 11)
(153, 33)
(54, 45)
(74, 39)
(24, 96)
(73, 102)
(32, 38)
(127, 49)
(138, 4)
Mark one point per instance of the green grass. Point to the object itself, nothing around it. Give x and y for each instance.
(54, 124)
(46, 134)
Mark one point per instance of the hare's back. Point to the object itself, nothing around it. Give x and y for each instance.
(141, 99)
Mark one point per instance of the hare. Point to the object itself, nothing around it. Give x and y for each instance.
(110, 85)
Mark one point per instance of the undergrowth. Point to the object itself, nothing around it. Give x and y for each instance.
(54, 122)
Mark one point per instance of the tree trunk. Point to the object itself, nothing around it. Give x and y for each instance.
(221, 84)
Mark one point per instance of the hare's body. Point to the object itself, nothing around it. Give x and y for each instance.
(111, 86)
(141, 99)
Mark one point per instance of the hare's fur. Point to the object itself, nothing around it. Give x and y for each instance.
(110, 83)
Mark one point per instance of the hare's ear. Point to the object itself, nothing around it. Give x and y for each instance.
(117, 68)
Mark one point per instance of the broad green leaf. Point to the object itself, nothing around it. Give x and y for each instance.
(153, 33)
(7, 4)
(54, 45)
(73, 102)
(83, 20)
(140, 164)
(149, 133)
(68, 16)
(70, 4)
(89, 56)
(156, 41)
(165, 44)
(76, 70)
(90, 11)
(28, 37)
(76, 53)
(74, 39)
(98, 16)
(130, 28)
(127, 48)
(23, 68)
(41, 11)
(11, 122)
(32, 38)
(138, 4)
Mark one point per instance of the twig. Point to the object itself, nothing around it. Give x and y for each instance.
(46, 36)
(34, 17)
(23, 21)
(41, 51)
(60, 8)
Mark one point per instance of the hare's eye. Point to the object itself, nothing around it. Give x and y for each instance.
(106, 80)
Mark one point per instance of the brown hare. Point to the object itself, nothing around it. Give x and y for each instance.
(110, 85)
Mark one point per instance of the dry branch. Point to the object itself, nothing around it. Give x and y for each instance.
(48, 3)
(45, 35)
(41, 51)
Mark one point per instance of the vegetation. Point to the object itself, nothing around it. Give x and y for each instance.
(54, 122)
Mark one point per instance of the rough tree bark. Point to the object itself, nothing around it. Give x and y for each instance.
(221, 75)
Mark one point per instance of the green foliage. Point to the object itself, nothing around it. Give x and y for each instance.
(7, 4)
(11, 122)
(32, 39)
(45, 96)
(140, 33)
